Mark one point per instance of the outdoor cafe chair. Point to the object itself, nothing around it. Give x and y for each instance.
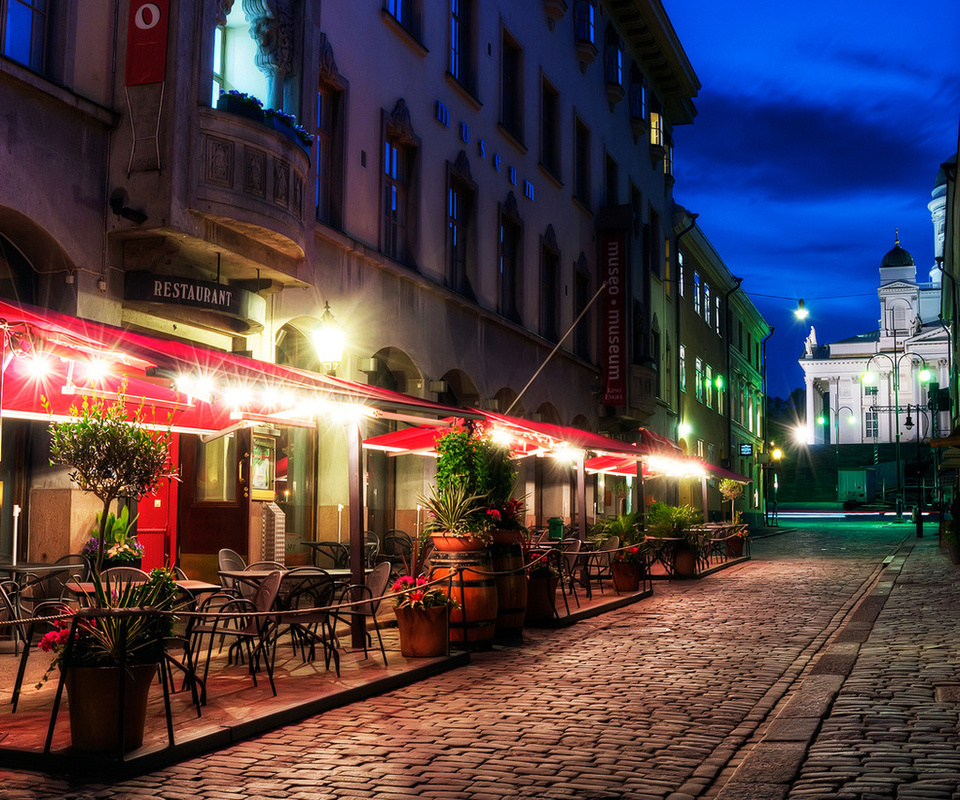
(228, 559)
(228, 617)
(307, 597)
(124, 574)
(368, 597)
(52, 584)
(599, 561)
(397, 549)
(569, 568)
(10, 612)
(371, 548)
(330, 554)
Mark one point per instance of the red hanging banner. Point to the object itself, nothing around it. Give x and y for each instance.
(613, 326)
(147, 42)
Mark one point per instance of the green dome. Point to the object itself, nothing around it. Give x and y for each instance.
(898, 257)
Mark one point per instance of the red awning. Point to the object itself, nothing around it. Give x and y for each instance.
(56, 357)
(720, 472)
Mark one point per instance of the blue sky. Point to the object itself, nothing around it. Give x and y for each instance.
(820, 129)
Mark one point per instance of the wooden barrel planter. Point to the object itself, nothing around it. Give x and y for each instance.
(424, 632)
(473, 586)
(626, 577)
(508, 564)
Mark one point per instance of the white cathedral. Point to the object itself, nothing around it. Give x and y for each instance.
(867, 389)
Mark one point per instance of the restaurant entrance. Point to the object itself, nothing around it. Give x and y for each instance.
(214, 500)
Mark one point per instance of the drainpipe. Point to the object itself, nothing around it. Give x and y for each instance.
(763, 427)
(676, 247)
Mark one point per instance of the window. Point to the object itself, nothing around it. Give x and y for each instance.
(668, 157)
(656, 124)
(611, 180)
(24, 29)
(585, 22)
(655, 352)
(667, 372)
(717, 315)
(235, 54)
(698, 377)
(510, 249)
(328, 169)
(706, 303)
(696, 293)
(461, 227)
(720, 394)
(872, 430)
(636, 209)
(680, 273)
(613, 66)
(708, 387)
(871, 390)
(400, 204)
(549, 286)
(511, 86)
(408, 13)
(462, 46)
(683, 368)
(550, 127)
(637, 100)
(581, 162)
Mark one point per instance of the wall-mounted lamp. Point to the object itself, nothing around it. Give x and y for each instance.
(102, 284)
(329, 338)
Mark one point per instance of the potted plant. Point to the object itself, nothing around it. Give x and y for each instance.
(423, 617)
(121, 548)
(111, 453)
(287, 125)
(456, 522)
(627, 568)
(731, 491)
(242, 104)
(673, 525)
(627, 526)
(542, 582)
(100, 648)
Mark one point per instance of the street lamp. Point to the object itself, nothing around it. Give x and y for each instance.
(328, 338)
(852, 419)
(908, 424)
(869, 378)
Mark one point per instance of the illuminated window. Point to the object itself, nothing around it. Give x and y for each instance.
(683, 368)
(698, 377)
(461, 228)
(585, 21)
(708, 386)
(872, 424)
(717, 315)
(696, 292)
(234, 59)
(706, 303)
(680, 273)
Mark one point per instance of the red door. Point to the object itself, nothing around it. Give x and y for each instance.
(214, 500)
(157, 519)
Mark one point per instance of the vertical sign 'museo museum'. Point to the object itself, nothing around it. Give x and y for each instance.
(613, 325)
(147, 42)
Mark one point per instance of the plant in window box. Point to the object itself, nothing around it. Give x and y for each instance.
(287, 125)
(241, 104)
(423, 617)
(119, 638)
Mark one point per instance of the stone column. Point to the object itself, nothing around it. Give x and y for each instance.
(811, 417)
(271, 27)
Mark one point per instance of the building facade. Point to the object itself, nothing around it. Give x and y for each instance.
(460, 183)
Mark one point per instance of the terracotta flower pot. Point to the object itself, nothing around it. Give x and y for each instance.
(735, 547)
(424, 632)
(626, 577)
(94, 698)
(457, 544)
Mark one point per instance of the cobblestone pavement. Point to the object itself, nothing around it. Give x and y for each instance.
(672, 698)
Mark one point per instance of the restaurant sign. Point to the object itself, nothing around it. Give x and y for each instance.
(231, 301)
(613, 327)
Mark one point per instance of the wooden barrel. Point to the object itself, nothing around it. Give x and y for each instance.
(511, 589)
(474, 587)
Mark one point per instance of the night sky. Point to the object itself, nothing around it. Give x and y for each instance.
(821, 127)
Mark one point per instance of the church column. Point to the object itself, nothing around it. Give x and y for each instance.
(811, 417)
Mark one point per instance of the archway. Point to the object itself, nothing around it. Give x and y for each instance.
(460, 391)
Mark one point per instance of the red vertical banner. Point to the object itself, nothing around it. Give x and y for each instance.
(613, 327)
(147, 41)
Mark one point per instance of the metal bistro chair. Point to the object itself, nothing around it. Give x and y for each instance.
(397, 550)
(228, 559)
(569, 564)
(51, 585)
(308, 595)
(371, 592)
(330, 555)
(10, 612)
(599, 561)
(125, 574)
(371, 548)
(32, 629)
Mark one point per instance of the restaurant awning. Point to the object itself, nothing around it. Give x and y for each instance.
(51, 359)
(720, 472)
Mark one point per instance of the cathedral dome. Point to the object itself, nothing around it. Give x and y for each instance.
(898, 257)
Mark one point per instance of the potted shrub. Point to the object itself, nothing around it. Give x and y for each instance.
(542, 582)
(628, 567)
(731, 491)
(629, 527)
(423, 617)
(673, 526)
(95, 652)
(110, 454)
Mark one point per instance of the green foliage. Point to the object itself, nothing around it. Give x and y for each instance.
(627, 526)
(455, 513)
(117, 527)
(730, 489)
(109, 453)
(672, 521)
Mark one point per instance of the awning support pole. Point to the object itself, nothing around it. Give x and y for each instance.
(355, 516)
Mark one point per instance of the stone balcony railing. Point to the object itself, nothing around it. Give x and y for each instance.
(252, 178)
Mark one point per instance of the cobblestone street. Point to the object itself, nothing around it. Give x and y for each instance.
(672, 698)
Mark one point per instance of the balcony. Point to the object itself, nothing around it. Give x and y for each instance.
(251, 178)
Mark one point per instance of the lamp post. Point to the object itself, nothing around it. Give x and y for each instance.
(836, 427)
(869, 378)
(908, 424)
(328, 338)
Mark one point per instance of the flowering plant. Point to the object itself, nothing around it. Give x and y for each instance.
(540, 566)
(508, 516)
(630, 555)
(126, 549)
(244, 98)
(454, 513)
(416, 593)
(108, 640)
